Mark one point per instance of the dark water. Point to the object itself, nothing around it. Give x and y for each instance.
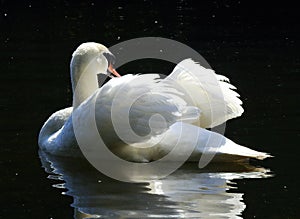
(256, 46)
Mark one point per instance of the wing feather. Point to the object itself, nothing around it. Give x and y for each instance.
(211, 93)
(149, 103)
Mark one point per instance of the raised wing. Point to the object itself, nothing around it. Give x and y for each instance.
(211, 93)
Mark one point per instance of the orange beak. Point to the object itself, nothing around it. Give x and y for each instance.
(113, 71)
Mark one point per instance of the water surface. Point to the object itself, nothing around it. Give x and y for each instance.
(189, 192)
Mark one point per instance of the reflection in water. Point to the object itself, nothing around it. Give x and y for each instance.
(188, 193)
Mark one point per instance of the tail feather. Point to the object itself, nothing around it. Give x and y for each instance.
(206, 145)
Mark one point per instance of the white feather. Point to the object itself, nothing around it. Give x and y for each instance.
(140, 97)
(211, 93)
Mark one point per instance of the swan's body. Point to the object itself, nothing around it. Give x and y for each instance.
(187, 103)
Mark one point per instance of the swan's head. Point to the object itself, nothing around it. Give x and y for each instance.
(88, 60)
(92, 58)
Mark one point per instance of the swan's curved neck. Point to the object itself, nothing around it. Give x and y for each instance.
(84, 82)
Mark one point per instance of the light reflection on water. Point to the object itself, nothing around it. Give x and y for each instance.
(188, 193)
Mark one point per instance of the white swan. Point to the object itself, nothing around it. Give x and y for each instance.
(177, 107)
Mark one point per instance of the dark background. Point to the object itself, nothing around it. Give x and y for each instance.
(255, 44)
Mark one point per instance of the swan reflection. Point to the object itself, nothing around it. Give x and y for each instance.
(189, 192)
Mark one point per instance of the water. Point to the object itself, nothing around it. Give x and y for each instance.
(187, 193)
(256, 47)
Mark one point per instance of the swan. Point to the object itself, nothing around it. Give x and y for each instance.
(162, 112)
